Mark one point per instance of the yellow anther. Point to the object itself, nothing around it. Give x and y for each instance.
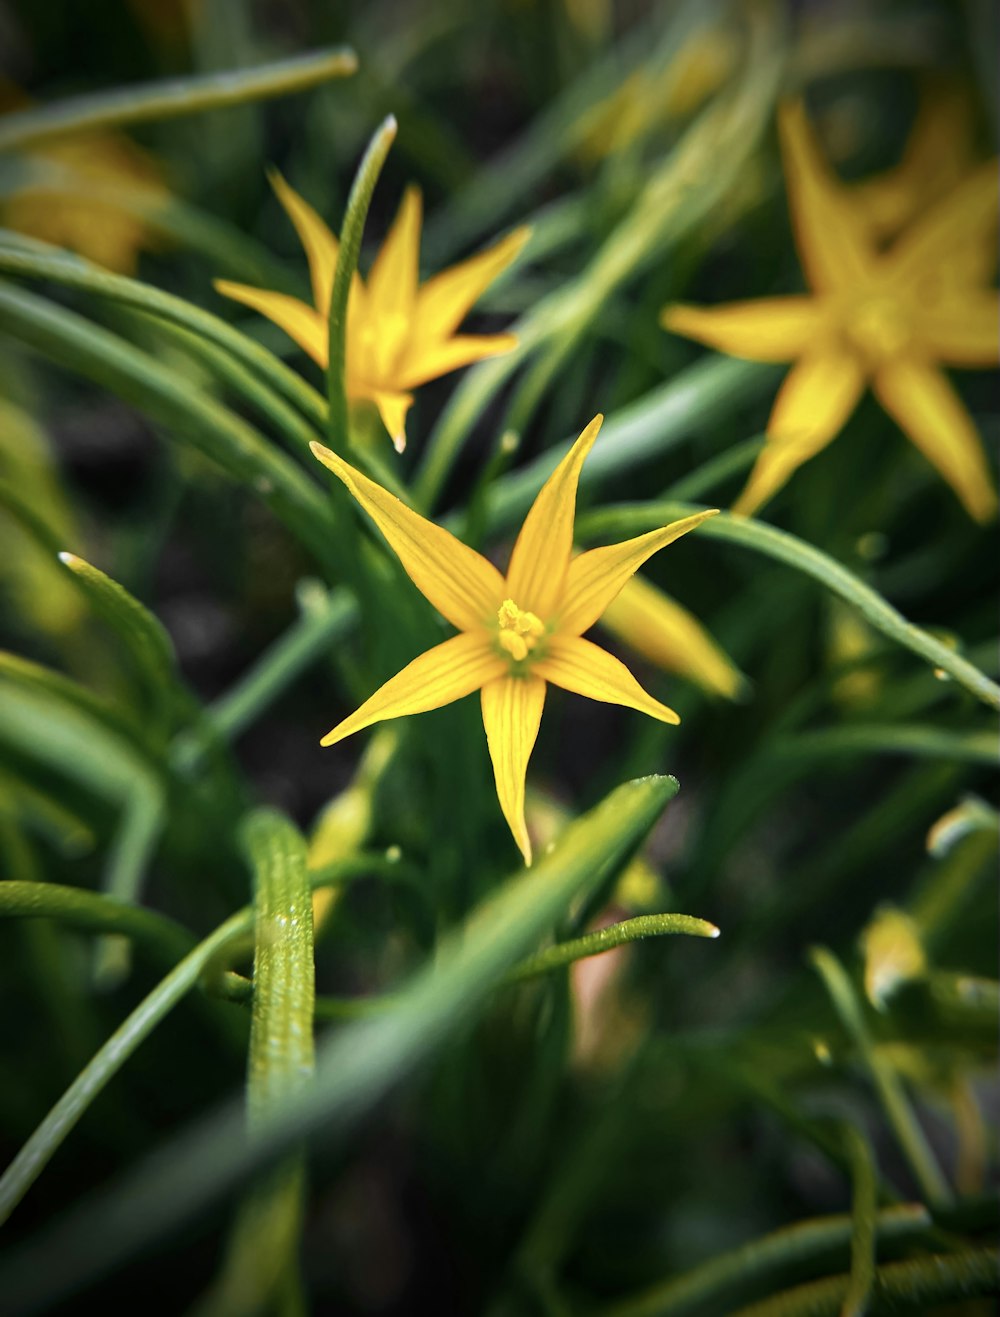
(519, 630)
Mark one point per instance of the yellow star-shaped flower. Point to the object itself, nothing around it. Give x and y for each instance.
(400, 333)
(516, 633)
(889, 319)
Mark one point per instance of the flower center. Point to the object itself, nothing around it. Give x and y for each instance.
(520, 631)
(879, 326)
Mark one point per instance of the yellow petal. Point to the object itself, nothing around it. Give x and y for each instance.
(964, 220)
(925, 406)
(577, 665)
(462, 585)
(830, 235)
(814, 403)
(392, 284)
(392, 407)
(666, 634)
(595, 577)
(541, 552)
(426, 360)
(300, 322)
(444, 301)
(512, 710)
(445, 673)
(318, 242)
(965, 331)
(770, 329)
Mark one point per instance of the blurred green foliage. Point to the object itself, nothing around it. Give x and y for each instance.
(452, 1101)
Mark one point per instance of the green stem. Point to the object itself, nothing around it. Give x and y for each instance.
(899, 1113)
(348, 255)
(864, 1223)
(873, 738)
(173, 97)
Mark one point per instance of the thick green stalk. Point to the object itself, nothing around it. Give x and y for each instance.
(173, 97)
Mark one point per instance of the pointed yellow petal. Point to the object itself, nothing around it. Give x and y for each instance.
(965, 219)
(392, 407)
(444, 301)
(770, 329)
(541, 552)
(813, 405)
(830, 235)
(462, 585)
(392, 282)
(595, 577)
(923, 404)
(426, 360)
(445, 673)
(318, 242)
(577, 665)
(300, 322)
(512, 710)
(964, 331)
(666, 634)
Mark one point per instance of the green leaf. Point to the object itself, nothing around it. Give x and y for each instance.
(173, 97)
(348, 254)
(716, 1285)
(172, 401)
(605, 939)
(633, 518)
(355, 1068)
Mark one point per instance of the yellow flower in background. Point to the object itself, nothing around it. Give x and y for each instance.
(516, 633)
(652, 96)
(885, 319)
(400, 333)
(659, 629)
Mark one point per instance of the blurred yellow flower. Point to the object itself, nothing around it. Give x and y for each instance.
(650, 97)
(73, 197)
(400, 333)
(666, 634)
(888, 319)
(516, 633)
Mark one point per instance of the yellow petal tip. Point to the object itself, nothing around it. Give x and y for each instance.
(399, 441)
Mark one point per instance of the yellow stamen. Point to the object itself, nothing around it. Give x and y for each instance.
(878, 325)
(519, 630)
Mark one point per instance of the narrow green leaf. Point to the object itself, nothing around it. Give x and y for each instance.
(142, 635)
(35, 1155)
(355, 1068)
(348, 254)
(173, 97)
(633, 518)
(605, 939)
(864, 1207)
(717, 1284)
(49, 683)
(895, 1103)
(172, 401)
(38, 260)
(917, 1286)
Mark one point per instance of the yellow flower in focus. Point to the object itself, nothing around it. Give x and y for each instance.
(400, 333)
(69, 199)
(516, 633)
(885, 319)
(666, 634)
